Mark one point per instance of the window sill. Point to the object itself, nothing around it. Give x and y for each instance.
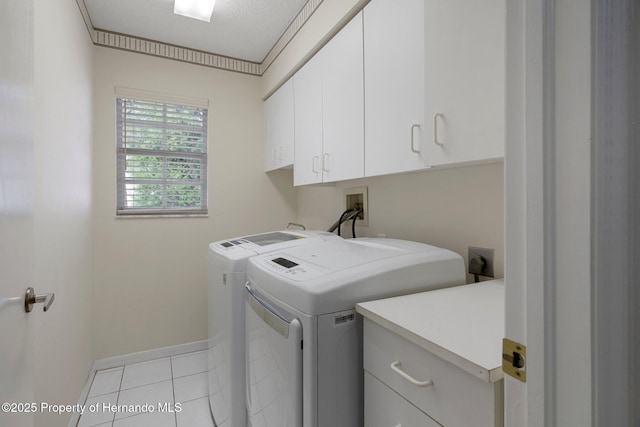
(149, 216)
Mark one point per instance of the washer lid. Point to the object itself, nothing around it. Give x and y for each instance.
(272, 238)
(318, 279)
(240, 248)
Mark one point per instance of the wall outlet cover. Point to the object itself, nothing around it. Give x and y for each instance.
(487, 255)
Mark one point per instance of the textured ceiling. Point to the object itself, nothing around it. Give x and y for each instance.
(243, 29)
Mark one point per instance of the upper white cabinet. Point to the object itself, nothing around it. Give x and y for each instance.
(434, 83)
(307, 84)
(329, 115)
(423, 82)
(464, 81)
(343, 104)
(279, 133)
(394, 64)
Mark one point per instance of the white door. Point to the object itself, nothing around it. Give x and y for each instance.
(278, 121)
(464, 81)
(343, 104)
(307, 93)
(16, 210)
(394, 65)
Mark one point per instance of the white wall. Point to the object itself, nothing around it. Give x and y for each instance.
(451, 208)
(63, 206)
(151, 274)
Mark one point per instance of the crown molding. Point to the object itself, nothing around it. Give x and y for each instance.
(143, 46)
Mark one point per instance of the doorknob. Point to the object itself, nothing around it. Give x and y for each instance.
(30, 298)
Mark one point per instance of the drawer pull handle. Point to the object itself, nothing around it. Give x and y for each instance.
(396, 368)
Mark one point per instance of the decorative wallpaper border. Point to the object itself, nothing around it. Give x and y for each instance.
(192, 56)
(290, 33)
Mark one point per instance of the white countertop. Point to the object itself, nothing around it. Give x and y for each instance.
(463, 324)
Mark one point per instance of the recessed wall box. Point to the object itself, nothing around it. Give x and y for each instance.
(358, 198)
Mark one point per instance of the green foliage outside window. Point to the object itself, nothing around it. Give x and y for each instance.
(161, 156)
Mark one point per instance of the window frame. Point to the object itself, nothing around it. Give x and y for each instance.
(164, 100)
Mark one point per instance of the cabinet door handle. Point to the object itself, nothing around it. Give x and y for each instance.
(435, 128)
(325, 162)
(396, 368)
(412, 145)
(280, 153)
(314, 162)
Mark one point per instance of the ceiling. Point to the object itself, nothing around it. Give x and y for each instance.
(242, 29)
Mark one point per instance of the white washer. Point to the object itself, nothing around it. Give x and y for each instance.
(227, 277)
(304, 349)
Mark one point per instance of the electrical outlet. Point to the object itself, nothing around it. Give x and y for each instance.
(487, 257)
(358, 198)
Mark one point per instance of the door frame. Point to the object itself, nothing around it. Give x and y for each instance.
(524, 207)
(577, 370)
(615, 209)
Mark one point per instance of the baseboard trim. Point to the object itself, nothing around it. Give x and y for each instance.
(145, 356)
(75, 417)
(127, 359)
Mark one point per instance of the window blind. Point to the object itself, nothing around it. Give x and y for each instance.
(162, 158)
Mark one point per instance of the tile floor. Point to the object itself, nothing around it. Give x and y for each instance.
(174, 387)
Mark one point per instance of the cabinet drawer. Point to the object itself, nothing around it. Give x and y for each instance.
(454, 399)
(384, 407)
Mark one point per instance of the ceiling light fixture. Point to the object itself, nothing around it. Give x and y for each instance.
(197, 9)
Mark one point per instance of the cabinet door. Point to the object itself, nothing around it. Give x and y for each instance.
(465, 79)
(278, 116)
(307, 93)
(343, 104)
(394, 86)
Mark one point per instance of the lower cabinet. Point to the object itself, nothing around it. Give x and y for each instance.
(386, 408)
(406, 385)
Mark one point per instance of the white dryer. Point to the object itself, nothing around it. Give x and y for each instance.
(227, 277)
(304, 341)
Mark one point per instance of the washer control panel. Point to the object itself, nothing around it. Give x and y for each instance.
(286, 267)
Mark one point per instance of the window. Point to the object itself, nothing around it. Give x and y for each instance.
(162, 157)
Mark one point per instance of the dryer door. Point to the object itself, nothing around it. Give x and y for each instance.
(274, 364)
